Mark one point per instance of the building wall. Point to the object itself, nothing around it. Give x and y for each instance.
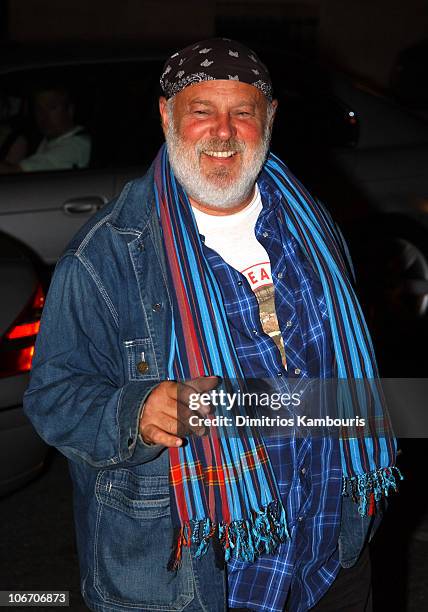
(291, 25)
(143, 21)
(363, 36)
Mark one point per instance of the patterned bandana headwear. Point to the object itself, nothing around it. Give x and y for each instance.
(214, 59)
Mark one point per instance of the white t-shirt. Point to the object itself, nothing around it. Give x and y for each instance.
(233, 238)
(70, 150)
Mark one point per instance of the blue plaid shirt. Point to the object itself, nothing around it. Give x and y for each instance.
(308, 470)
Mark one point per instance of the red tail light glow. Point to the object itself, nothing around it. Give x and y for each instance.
(17, 345)
(23, 330)
(24, 359)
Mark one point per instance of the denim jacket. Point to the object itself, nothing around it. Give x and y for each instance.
(102, 348)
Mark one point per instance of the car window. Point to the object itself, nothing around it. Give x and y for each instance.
(114, 119)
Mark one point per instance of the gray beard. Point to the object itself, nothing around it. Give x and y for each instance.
(216, 191)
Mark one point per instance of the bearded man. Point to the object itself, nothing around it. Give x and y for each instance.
(216, 268)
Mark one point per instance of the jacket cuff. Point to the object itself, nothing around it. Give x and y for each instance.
(133, 450)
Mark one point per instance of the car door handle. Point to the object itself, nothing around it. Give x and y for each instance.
(83, 206)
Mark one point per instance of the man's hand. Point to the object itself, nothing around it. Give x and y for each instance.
(166, 410)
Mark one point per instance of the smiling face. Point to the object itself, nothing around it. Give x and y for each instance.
(218, 134)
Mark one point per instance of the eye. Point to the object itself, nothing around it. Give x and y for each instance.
(244, 114)
(200, 112)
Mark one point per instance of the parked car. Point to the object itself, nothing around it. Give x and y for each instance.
(359, 152)
(366, 158)
(22, 452)
(115, 101)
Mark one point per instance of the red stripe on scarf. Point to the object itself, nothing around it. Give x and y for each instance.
(196, 365)
(175, 464)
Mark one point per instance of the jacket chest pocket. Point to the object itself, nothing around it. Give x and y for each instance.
(141, 359)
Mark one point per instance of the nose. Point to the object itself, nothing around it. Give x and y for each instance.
(224, 128)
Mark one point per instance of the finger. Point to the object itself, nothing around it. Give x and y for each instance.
(204, 383)
(190, 422)
(161, 402)
(195, 393)
(168, 406)
(164, 421)
(153, 434)
(177, 410)
(177, 424)
(162, 391)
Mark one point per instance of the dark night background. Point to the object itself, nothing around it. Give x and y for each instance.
(363, 37)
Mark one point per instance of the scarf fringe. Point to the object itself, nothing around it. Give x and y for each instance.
(367, 489)
(243, 539)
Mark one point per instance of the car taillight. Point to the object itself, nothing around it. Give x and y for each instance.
(17, 345)
(24, 330)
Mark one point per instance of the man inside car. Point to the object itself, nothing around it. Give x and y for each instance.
(64, 144)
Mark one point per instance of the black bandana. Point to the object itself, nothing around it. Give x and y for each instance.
(213, 59)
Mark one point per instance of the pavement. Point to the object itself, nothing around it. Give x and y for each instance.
(38, 551)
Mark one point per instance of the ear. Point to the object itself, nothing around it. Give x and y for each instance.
(274, 105)
(163, 113)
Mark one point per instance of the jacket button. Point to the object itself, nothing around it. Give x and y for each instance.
(156, 307)
(142, 367)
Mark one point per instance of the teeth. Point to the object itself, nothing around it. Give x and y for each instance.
(220, 153)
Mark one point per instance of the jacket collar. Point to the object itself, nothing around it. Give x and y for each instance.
(135, 204)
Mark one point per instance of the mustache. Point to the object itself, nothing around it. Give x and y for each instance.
(224, 146)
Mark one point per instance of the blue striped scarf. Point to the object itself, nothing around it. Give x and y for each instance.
(223, 487)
